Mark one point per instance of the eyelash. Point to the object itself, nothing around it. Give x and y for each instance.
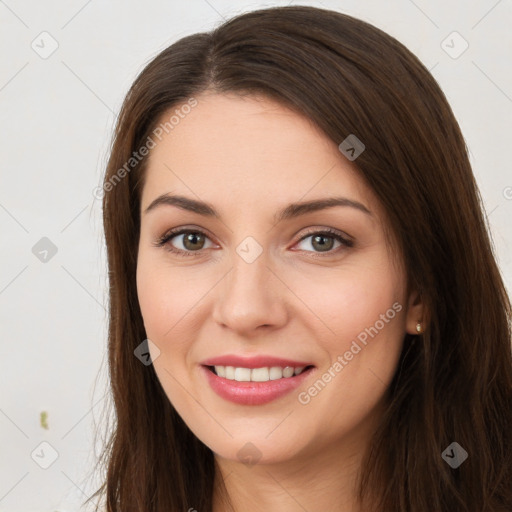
(164, 240)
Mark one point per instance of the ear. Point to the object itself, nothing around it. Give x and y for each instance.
(416, 314)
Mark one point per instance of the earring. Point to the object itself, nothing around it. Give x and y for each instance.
(418, 328)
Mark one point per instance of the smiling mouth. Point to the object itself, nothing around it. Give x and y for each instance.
(263, 374)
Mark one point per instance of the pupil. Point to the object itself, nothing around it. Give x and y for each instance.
(323, 246)
(192, 238)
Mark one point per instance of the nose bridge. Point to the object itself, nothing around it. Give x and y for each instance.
(249, 296)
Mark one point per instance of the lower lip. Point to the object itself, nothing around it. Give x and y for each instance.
(254, 393)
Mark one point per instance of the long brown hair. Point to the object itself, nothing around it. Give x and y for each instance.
(453, 383)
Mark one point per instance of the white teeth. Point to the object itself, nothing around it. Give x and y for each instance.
(242, 374)
(288, 371)
(276, 372)
(257, 374)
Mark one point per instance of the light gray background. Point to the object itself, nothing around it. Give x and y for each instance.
(57, 115)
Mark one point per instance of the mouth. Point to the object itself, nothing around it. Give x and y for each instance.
(255, 386)
(263, 374)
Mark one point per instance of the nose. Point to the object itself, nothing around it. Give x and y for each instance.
(250, 297)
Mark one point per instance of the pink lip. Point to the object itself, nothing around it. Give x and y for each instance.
(260, 361)
(254, 393)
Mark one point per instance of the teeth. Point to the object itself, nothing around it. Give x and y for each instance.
(230, 372)
(276, 372)
(257, 374)
(242, 374)
(288, 371)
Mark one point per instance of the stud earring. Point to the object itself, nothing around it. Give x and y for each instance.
(419, 328)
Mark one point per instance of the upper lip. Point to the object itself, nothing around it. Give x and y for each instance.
(259, 361)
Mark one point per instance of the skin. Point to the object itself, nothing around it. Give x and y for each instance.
(249, 158)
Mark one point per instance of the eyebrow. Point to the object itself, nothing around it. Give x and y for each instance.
(291, 211)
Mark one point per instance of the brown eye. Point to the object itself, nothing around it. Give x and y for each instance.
(193, 240)
(324, 241)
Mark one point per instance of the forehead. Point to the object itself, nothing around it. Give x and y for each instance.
(251, 150)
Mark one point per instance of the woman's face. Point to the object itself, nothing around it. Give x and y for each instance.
(258, 288)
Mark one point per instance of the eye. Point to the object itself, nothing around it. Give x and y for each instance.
(192, 241)
(324, 241)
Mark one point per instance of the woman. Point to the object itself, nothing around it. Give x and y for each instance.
(296, 243)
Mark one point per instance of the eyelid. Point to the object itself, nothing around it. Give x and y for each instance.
(328, 231)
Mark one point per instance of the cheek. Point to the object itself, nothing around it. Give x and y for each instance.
(164, 302)
(370, 329)
(366, 317)
(360, 298)
(165, 297)
(152, 299)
